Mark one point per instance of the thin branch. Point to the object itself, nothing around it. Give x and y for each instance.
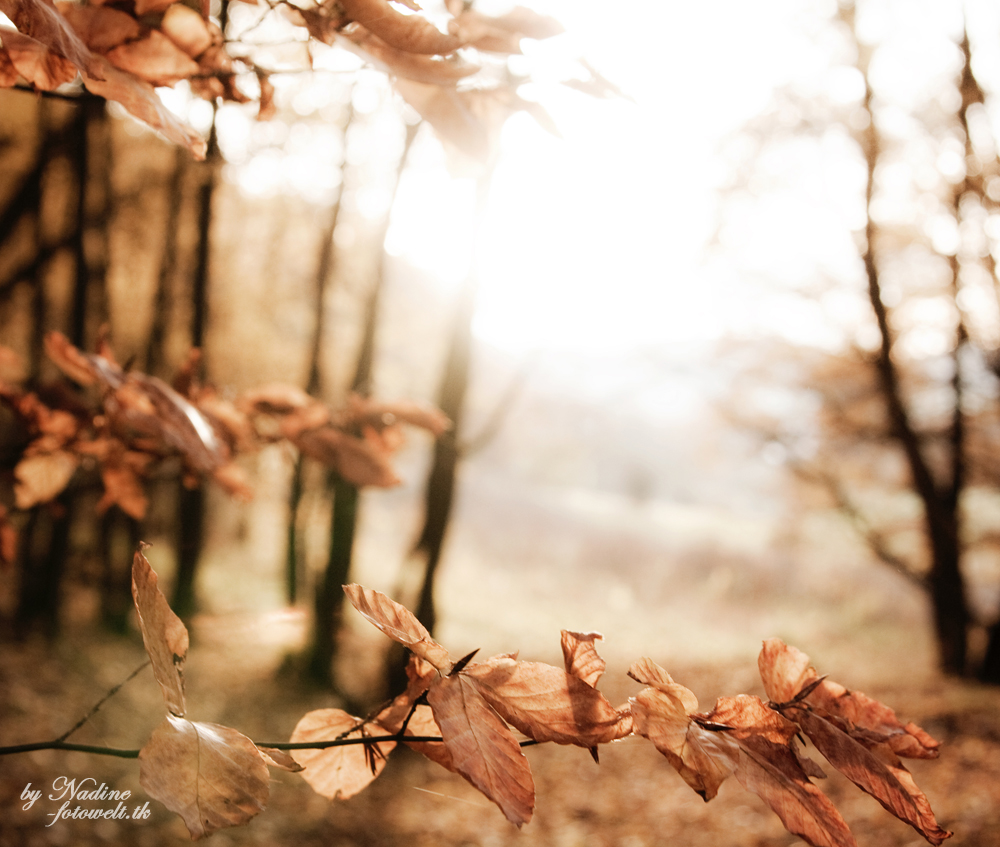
(102, 701)
(275, 745)
(873, 538)
(83, 94)
(495, 420)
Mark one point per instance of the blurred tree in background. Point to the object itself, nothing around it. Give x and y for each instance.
(108, 234)
(900, 422)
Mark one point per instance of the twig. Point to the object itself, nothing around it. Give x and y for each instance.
(276, 745)
(101, 702)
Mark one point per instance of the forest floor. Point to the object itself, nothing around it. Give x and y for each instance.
(632, 799)
(699, 606)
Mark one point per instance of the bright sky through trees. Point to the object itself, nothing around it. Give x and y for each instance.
(598, 241)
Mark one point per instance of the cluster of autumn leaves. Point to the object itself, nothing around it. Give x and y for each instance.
(122, 48)
(132, 423)
(464, 715)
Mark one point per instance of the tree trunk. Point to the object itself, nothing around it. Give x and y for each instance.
(45, 546)
(191, 501)
(329, 600)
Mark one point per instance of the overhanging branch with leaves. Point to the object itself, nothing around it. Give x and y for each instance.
(463, 715)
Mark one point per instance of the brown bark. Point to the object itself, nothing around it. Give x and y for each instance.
(940, 502)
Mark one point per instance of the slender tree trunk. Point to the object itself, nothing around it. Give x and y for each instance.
(940, 503)
(45, 546)
(191, 500)
(329, 600)
(120, 536)
(329, 605)
(158, 331)
(989, 671)
(295, 558)
(440, 492)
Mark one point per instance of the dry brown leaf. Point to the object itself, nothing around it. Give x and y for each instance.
(187, 29)
(301, 420)
(211, 775)
(548, 704)
(8, 73)
(146, 7)
(266, 107)
(163, 633)
(42, 477)
(53, 428)
(703, 759)
(339, 771)
(580, 656)
(76, 365)
(280, 759)
(470, 121)
(386, 414)
(477, 30)
(422, 724)
(399, 624)
(482, 748)
(871, 775)
(33, 60)
(122, 488)
(8, 539)
(452, 115)
(277, 398)
(151, 407)
(101, 28)
(662, 713)
(142, 102)
(412, 33)
(41, 21)
(323, 23)
(234, 480)
(785, 671)
(231, 424)
(11, 365)
(155, 59)
(428, 69)
(359, 461)
(420, 674)
(770, 768)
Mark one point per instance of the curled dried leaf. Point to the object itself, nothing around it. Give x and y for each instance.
(163, 633)
(412, 33)
(36, 62)
(280, 759)
(101, 28)
(76, 365)
(122, 486)
(141, 101)
(40, 20)
(872, 775)
(786, 672)
(43, 477)
(580, 656)
(548, 704)
(187, 29)
(402, 63)
(703, 759)
(399, 624)
(155, 59)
